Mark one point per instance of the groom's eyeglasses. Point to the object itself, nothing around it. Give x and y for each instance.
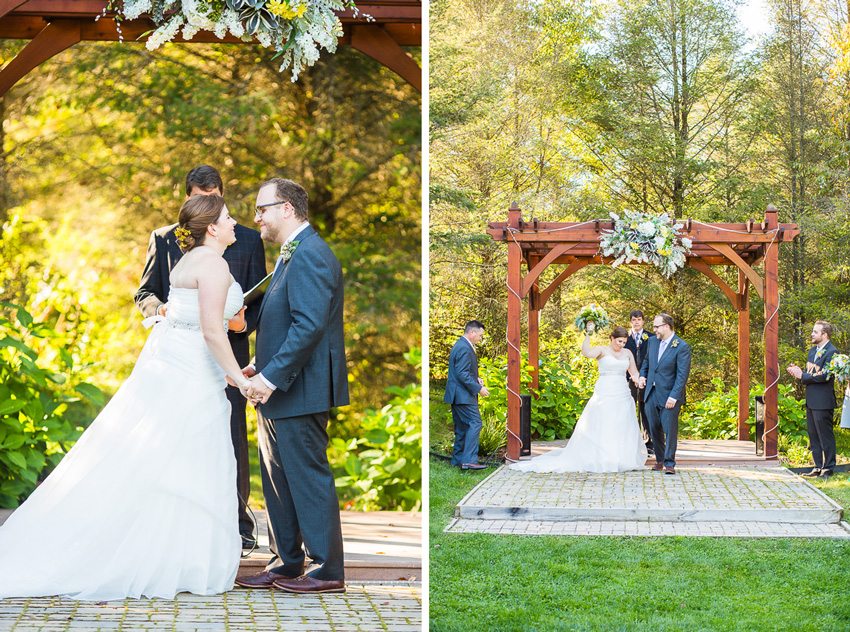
(259, 210)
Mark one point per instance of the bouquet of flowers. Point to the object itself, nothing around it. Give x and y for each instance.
(295, 29)
(592, 313)
(839, 367)
(645, 239)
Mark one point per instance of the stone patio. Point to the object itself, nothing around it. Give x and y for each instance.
(724, 491)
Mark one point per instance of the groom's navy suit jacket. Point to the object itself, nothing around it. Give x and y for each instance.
(300, 342)
(669, 375)
(462, 385)
(820, 389)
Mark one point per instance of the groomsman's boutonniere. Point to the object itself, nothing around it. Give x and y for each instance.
(287, 249)
(675, 343)
(644, 337)
(819, 354)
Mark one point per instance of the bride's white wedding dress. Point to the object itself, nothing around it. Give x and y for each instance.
(606, 437)
(145, 502)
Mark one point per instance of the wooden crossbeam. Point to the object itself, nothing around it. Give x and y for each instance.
(735, 298)
(752, 275)
(53, 39)
(535, 272)
(575, 266)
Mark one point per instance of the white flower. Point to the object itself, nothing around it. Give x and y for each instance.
(132, 10)
(687, 243)
(646, 228)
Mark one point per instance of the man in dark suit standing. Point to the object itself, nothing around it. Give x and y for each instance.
(664, 374)
(820, 399)
(298, 376)
(462, 390)
(637, 344)
(247, 263)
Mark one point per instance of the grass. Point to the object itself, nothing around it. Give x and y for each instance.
(508, 583)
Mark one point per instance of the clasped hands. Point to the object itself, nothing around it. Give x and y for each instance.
(254, 389)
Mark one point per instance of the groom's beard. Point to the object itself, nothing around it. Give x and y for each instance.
(271, 233)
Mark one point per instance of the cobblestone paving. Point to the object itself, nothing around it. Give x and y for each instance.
(650, 529)
(709, 487)
(382, 607)
(705, 501)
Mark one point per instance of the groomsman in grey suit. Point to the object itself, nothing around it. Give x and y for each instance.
(462, 390)
(664, 374)
(299, 374)
(820, 399)
(637, 344)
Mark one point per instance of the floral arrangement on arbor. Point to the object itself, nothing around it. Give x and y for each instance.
(592, 313)
(295, 29)
(645, 239)
(839, 367)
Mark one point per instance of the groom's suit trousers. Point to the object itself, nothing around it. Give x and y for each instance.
(296, 474)
(663, 421)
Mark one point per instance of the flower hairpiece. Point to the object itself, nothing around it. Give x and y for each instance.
(182, 235)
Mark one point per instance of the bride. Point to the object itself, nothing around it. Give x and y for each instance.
(143, 504)
(607, 436)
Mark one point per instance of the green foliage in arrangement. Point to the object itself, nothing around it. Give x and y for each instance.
(383, 468)
(38, 380)
(714, 416)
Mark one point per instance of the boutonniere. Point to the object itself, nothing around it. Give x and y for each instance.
(287, 249)
(675, 343)
(644, 337)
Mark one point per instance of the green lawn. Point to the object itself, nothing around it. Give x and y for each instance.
(485, 582)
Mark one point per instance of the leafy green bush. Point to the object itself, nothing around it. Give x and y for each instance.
(383, 468)
(715, 415)
(564, 388)
(34, 431)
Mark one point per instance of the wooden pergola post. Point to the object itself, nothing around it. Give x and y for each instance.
(534, 331)
(743, 357)
(513, 333)
(771, 338)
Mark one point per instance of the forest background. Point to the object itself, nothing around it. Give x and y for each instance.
(94, 148)
(576, 109)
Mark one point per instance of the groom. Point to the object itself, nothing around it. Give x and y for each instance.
(298, 376)
(664, 374)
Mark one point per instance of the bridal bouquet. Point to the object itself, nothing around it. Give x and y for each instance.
(295, 29)
(839, 367)
(645, 238)
(592, 313)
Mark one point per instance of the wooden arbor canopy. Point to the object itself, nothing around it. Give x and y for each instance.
(54, 25)
(575, 245)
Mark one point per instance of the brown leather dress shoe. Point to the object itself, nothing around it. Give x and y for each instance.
(266, 579)
(669, 470)
(657, 467)
(310, 585)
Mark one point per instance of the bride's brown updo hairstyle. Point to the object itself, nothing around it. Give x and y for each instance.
(619, 332)
(198, 212)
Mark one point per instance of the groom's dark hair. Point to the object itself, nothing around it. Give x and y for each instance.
(292, 192)
(636, 313)
(667, 319)
(473, 324)
(204, 177)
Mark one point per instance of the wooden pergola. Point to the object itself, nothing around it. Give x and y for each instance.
(55, 25)
(576, 245)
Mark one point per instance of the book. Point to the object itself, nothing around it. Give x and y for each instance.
(257, 292)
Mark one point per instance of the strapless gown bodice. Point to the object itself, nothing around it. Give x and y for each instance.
(184, 309)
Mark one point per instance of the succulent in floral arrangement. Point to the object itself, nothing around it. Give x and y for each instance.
(253, 14)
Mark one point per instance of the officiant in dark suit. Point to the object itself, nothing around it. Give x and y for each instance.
(820, 399)
(247, 263)
(298, 376)
(637, 343)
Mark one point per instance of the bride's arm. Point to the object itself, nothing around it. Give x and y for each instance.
(213, 284)
(587, 351)
(633, 370)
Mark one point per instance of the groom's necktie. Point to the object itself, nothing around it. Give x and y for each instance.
(661, 348)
